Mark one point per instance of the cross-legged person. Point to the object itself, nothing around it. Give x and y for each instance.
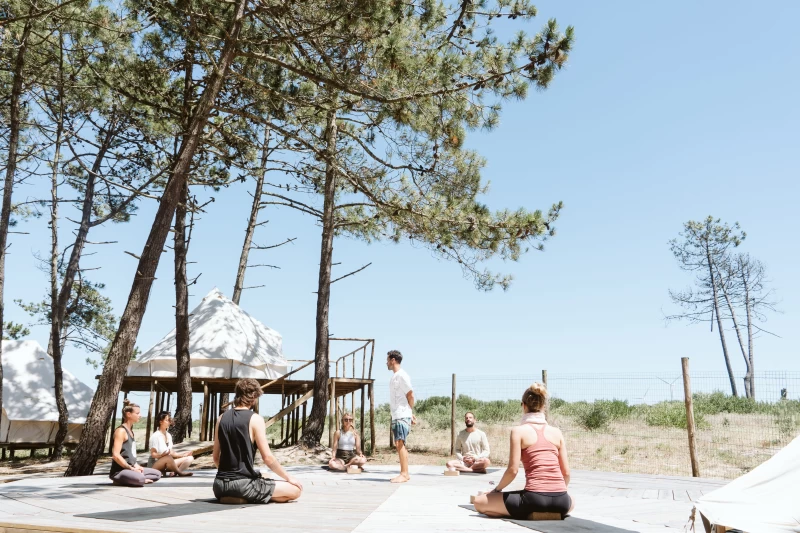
(124, 468)
(237, 435)
(472, 449)
(162, 456)
(543, 452)
(401, 402)
(347, 444)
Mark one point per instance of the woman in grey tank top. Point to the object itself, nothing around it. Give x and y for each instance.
(124, 468)
(346, 446)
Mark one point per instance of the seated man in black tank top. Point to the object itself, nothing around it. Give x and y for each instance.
(239, 432)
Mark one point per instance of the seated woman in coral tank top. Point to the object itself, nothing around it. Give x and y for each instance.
(543, 454)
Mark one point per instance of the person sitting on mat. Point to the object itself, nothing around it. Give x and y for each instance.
(543, 453)
(162, 457)
(237, 435)
(347, 445)
(472, 449)
(124, 468)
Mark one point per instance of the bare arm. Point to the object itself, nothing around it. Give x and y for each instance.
(410, 398)
(258, 432)
(515, 449)
(215, 455)
(563, 460)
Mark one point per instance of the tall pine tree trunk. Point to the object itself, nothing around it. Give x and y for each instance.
(59, 312)
(312, 432)
(732, 310)
(251, 223)
(11, 169)
(748, 305)
(55, 342)
(91, 445)
(715, 296)
(183, 363)
(183, 413)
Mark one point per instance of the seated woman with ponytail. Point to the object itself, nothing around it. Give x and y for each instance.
(124, 468)
(347, 444)
(543, 453)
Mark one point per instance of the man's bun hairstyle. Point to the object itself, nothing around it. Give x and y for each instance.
(535, 397)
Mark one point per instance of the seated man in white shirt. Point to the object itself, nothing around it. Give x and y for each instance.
(472, 449)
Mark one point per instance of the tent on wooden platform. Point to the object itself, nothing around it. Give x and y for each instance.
(765, 500)
(224, 342)
(30, 415)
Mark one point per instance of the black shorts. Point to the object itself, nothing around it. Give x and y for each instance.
(521, 503)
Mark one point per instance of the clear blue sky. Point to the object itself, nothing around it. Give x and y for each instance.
(666, 112)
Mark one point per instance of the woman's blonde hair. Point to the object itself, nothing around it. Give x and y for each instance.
(353, 422)
(535, 397)
(127, 407)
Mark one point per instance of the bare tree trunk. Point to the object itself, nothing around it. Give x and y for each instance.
(183, 363)
(729, 303)
(91, 445)
(183, 412)
(55, 340)
(8, 185)
(312, 431)
(251, 223)
(748, 305)
(719, 322)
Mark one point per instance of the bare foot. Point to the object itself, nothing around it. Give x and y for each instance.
(147, 481)
(402, 478)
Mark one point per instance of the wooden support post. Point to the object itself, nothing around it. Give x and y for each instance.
(11, 454)
(169, 401)
(547, 405)
(3, 458)
(331, 408)
(150, 412)
(544, 378)
(304, 415)
(283, 404)
(687, 393)
(204, 414)
(296, 420)
(113, 423)
(371, 357)
(362, 421)
(371, 419)
(453, 418)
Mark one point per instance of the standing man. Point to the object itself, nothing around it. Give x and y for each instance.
(401, 401)
(472, 449)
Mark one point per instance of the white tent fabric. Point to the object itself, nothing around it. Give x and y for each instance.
(30, 414)
(224, 342)
(765, 500)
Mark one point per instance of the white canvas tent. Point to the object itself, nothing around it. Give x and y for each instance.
(765, 500)
(29, 413)
(224, 342)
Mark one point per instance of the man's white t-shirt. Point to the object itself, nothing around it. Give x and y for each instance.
(399, 386)
(160, 443)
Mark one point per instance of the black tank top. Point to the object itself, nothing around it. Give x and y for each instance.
(128, 452)
(236, 448)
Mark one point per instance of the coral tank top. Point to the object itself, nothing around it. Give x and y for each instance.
(542, 470)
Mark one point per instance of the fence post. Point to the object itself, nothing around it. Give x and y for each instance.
(547, 406)
(687, 393)
(453, 419)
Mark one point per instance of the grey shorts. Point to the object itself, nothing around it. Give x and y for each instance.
(257, 490)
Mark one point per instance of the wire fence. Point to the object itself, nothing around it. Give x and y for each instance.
(626, 422)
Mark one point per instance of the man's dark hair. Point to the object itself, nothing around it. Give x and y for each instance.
(469, 413)
(396, 355)
(247, 391)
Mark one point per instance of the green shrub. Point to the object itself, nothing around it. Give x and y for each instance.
(593, 416)
(557, 403)
(672, 414)
(718, 402)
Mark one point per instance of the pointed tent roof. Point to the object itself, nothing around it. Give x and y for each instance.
(224, 342)
(764, 499)
(28, 383)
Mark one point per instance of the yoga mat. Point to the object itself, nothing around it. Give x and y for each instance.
(570, 524)
(159, 512)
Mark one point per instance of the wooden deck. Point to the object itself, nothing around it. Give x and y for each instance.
(336, 503)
